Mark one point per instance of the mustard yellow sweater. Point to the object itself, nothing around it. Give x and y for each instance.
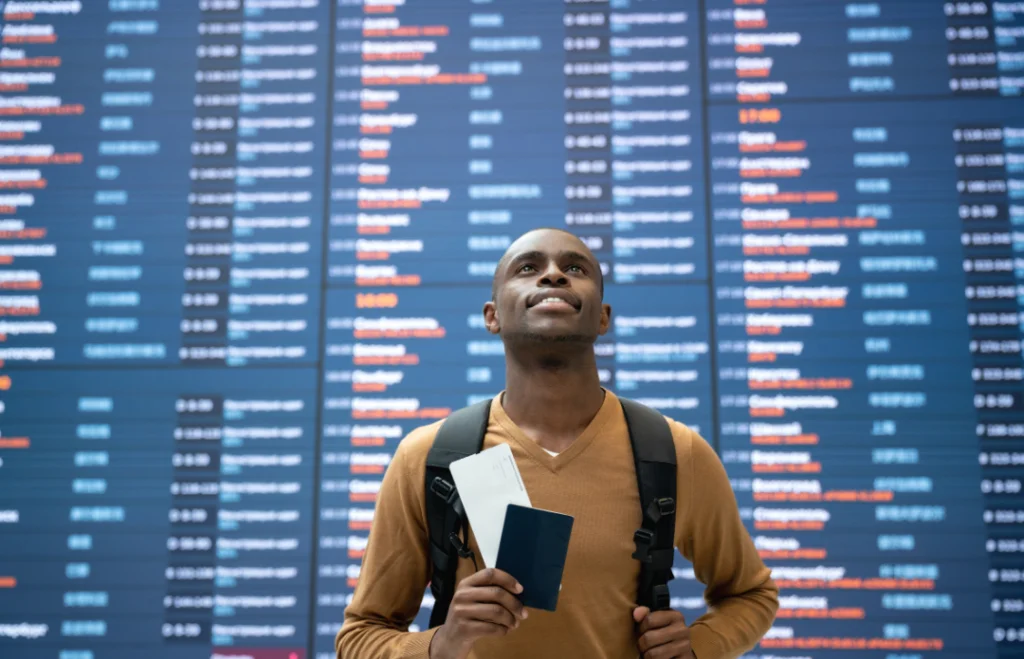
(594, 480)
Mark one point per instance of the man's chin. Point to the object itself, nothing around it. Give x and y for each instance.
(552, 337)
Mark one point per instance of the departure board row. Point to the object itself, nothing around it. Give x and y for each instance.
(245, 245)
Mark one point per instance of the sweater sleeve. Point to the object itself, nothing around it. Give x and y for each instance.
(395, 569)
(741, 595)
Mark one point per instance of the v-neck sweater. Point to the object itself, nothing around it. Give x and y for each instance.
(594, 480)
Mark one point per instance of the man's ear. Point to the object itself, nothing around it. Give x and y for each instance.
(606, 319)
(491, 318)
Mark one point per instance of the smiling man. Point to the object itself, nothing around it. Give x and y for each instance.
(570, 440)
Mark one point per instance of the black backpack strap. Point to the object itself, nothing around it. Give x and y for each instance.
(654, 452)
(461, 435)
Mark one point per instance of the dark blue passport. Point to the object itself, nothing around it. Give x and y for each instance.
(533, 547)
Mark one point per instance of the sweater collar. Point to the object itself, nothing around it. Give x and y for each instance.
(605, 415)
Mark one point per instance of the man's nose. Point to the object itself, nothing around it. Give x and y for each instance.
(553, 276)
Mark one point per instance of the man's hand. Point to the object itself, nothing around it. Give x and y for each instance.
(662, 634)
(484, 604)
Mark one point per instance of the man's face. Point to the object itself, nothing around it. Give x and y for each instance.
(548, 289)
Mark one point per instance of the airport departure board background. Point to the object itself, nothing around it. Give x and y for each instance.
(244, 247)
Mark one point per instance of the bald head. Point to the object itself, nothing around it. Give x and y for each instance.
(521, 243)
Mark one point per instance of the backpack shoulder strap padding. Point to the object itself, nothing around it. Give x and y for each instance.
(654, 453)
(460, 435)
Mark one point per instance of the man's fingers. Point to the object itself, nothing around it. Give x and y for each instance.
(479, 628)
(492, 585)
(506, 581)
(494, 577)
(677, 650)
(499, 596)
(493, 596)
(490, 613)
(484, 605)
(662, 636)
(659, 619)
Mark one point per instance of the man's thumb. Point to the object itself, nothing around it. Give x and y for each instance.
(640, 612)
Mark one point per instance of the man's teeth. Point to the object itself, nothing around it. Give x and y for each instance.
(554, 299)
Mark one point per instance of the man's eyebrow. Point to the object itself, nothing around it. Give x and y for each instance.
(535, 255)
(576, 256)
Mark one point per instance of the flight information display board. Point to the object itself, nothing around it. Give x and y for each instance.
(245, 244)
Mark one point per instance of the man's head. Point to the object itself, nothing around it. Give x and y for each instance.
(548, 288)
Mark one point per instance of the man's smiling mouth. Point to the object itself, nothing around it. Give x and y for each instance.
(554, 300)
(554, 303)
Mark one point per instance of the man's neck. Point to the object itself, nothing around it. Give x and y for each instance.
(552, 396)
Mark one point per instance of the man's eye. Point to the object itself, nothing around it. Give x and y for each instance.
(575, 267)
(524, 268)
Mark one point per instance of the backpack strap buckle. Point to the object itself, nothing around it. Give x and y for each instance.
(655, 559)
(661, 507)
(461, 548)
(443, 489)
(643, 539)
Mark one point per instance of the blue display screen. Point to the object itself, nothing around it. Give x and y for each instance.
(245, 246)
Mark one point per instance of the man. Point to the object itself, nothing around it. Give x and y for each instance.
(570, 441)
